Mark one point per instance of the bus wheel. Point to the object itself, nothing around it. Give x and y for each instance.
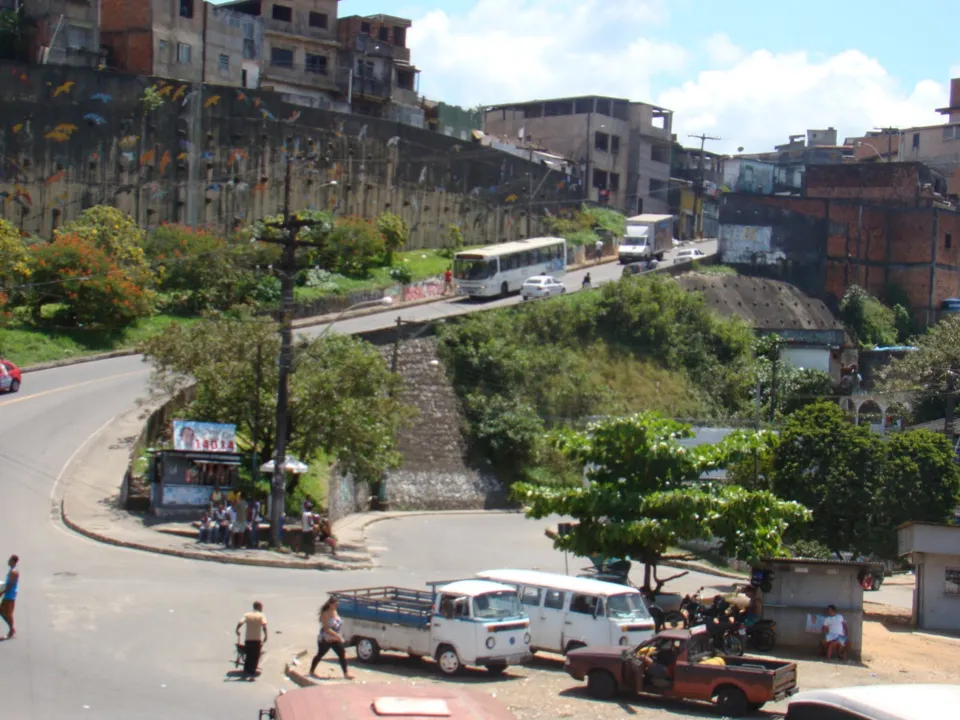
(504, 290)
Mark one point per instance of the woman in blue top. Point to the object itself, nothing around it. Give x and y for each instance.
(10, 595)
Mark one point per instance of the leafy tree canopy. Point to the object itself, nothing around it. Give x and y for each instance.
(644, 494)
(871, 322)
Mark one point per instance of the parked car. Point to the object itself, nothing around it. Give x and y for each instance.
(541, 286)
(687, 255)
(738, 685)
(9, 377)
(635, 268)
(877, 702)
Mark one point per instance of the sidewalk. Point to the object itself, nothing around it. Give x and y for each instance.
(86, 501)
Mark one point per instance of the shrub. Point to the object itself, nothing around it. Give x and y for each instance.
(113, 231)
(87, 282)
(191, 265)
(355, 246)
(867, 319)
(14, 265)
(395, 231)
(453, 241)
(505, 430)
(322, 279)
(401, 274)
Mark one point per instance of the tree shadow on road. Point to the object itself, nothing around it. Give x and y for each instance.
(426, 668)
(676, 708)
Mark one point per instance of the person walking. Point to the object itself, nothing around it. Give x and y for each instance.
(599, 249)
(9, 601)
(330, 638)
(255, 623)
(448, 281)
(587, 282)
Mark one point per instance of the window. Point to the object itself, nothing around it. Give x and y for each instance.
(400, 36)
(184, 53)
(554, 600)
(601, 141)
(224, 64)
(452, 606)
(948, 240)
(316, 64)
(318, 20)
(405, 80)
(614, 144)
(281, 57)
(243, 79)
(365, 28)
(186, 8)
(249, 49)
(600, 178)
(951, 581)
(657, 187)
(384, 34)
(916, 141)
(163, 51)
(283, 13)
(364, 69)
(660, 154)
(614, 182)
(951, 132)
(584, 604)
(530, 596)
(79, 38)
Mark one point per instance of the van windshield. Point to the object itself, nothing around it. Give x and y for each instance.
(497, 605)
(627, 605)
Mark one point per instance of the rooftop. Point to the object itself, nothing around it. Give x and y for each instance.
(568, 583)
(523, 103)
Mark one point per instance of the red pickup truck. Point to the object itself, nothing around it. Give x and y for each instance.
(738, 685)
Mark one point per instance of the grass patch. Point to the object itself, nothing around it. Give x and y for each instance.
(716, 270)
(422, 264)
(26, 345)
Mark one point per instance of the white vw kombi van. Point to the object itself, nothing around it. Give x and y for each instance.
(570, 612)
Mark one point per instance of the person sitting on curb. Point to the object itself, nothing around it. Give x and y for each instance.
(325, 535)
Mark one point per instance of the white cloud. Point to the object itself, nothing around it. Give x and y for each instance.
(512, 50)
(766, 97)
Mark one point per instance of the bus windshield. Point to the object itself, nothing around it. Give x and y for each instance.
(627, 605)
(478, 269)
(494, 605)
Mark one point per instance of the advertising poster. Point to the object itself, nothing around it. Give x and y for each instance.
(204, 436)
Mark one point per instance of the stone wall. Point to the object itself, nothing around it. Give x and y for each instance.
(215, 156)
(435, 474)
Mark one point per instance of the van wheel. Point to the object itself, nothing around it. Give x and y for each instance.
(448, 660)
(732, 702)
(574, 645)
(368, 650)
(877, 582)
(601, 685)
(504, 290)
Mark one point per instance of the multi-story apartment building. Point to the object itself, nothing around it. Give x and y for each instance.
(695, 190)
(299, 56)
(188, 40)
(375, 74)
(623, 146)
(64, 32)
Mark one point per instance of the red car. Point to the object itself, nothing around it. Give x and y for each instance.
(9, 377)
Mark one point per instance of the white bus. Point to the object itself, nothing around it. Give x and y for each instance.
(502, 269)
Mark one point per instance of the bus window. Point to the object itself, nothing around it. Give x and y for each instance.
(527, 259)
(474, 269)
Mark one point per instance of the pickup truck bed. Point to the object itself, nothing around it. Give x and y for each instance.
(387, 605)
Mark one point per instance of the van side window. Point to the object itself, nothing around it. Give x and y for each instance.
(452, 606)
(530, 596)
(554, 600)
(584, 604)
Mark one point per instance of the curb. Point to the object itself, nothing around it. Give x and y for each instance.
(293, 672)
(191, 555)
(705, 569)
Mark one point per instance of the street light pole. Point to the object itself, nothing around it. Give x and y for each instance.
(698, 193)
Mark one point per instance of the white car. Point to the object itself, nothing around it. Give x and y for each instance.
(541, 286)
(688, 255)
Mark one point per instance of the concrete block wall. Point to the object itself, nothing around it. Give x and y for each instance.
(77, 138)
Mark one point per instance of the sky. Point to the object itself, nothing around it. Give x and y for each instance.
(751, 72)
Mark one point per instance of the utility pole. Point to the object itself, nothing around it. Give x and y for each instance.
(529, 203)
(698, 194)
(287, 271)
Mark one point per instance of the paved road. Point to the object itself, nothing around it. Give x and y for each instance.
(112, 633)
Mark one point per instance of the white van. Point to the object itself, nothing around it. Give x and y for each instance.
(570, 612)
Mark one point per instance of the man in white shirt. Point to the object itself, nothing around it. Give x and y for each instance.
(835, 638)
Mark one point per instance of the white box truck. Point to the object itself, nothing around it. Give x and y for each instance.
(648, 237)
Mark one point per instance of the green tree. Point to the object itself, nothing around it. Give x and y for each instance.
(117, 234)
(784, 385)
(644, 494)
(834, 468)
(87, 284)
(14, 266)
(928, 369)
(870, 321)
(921, 482)
(395, 232)
(506, 430)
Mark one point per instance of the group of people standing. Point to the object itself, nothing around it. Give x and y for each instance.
(254, 626)
(234, 523)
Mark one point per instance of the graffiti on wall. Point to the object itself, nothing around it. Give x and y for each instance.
(747, 244)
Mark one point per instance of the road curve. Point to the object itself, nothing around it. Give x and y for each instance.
(105, 632)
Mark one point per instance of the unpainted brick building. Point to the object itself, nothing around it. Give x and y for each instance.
(882, 226)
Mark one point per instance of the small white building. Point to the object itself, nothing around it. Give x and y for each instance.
(934, 550)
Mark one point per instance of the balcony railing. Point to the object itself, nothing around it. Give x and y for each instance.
(363, 86)
(76, 57)
(309, 77)
(300, 26)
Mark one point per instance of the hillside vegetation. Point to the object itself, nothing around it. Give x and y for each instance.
(639, 344)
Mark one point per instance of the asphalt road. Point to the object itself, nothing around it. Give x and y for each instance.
(110, 633)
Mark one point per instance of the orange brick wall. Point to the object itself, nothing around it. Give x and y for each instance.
(126, 28)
